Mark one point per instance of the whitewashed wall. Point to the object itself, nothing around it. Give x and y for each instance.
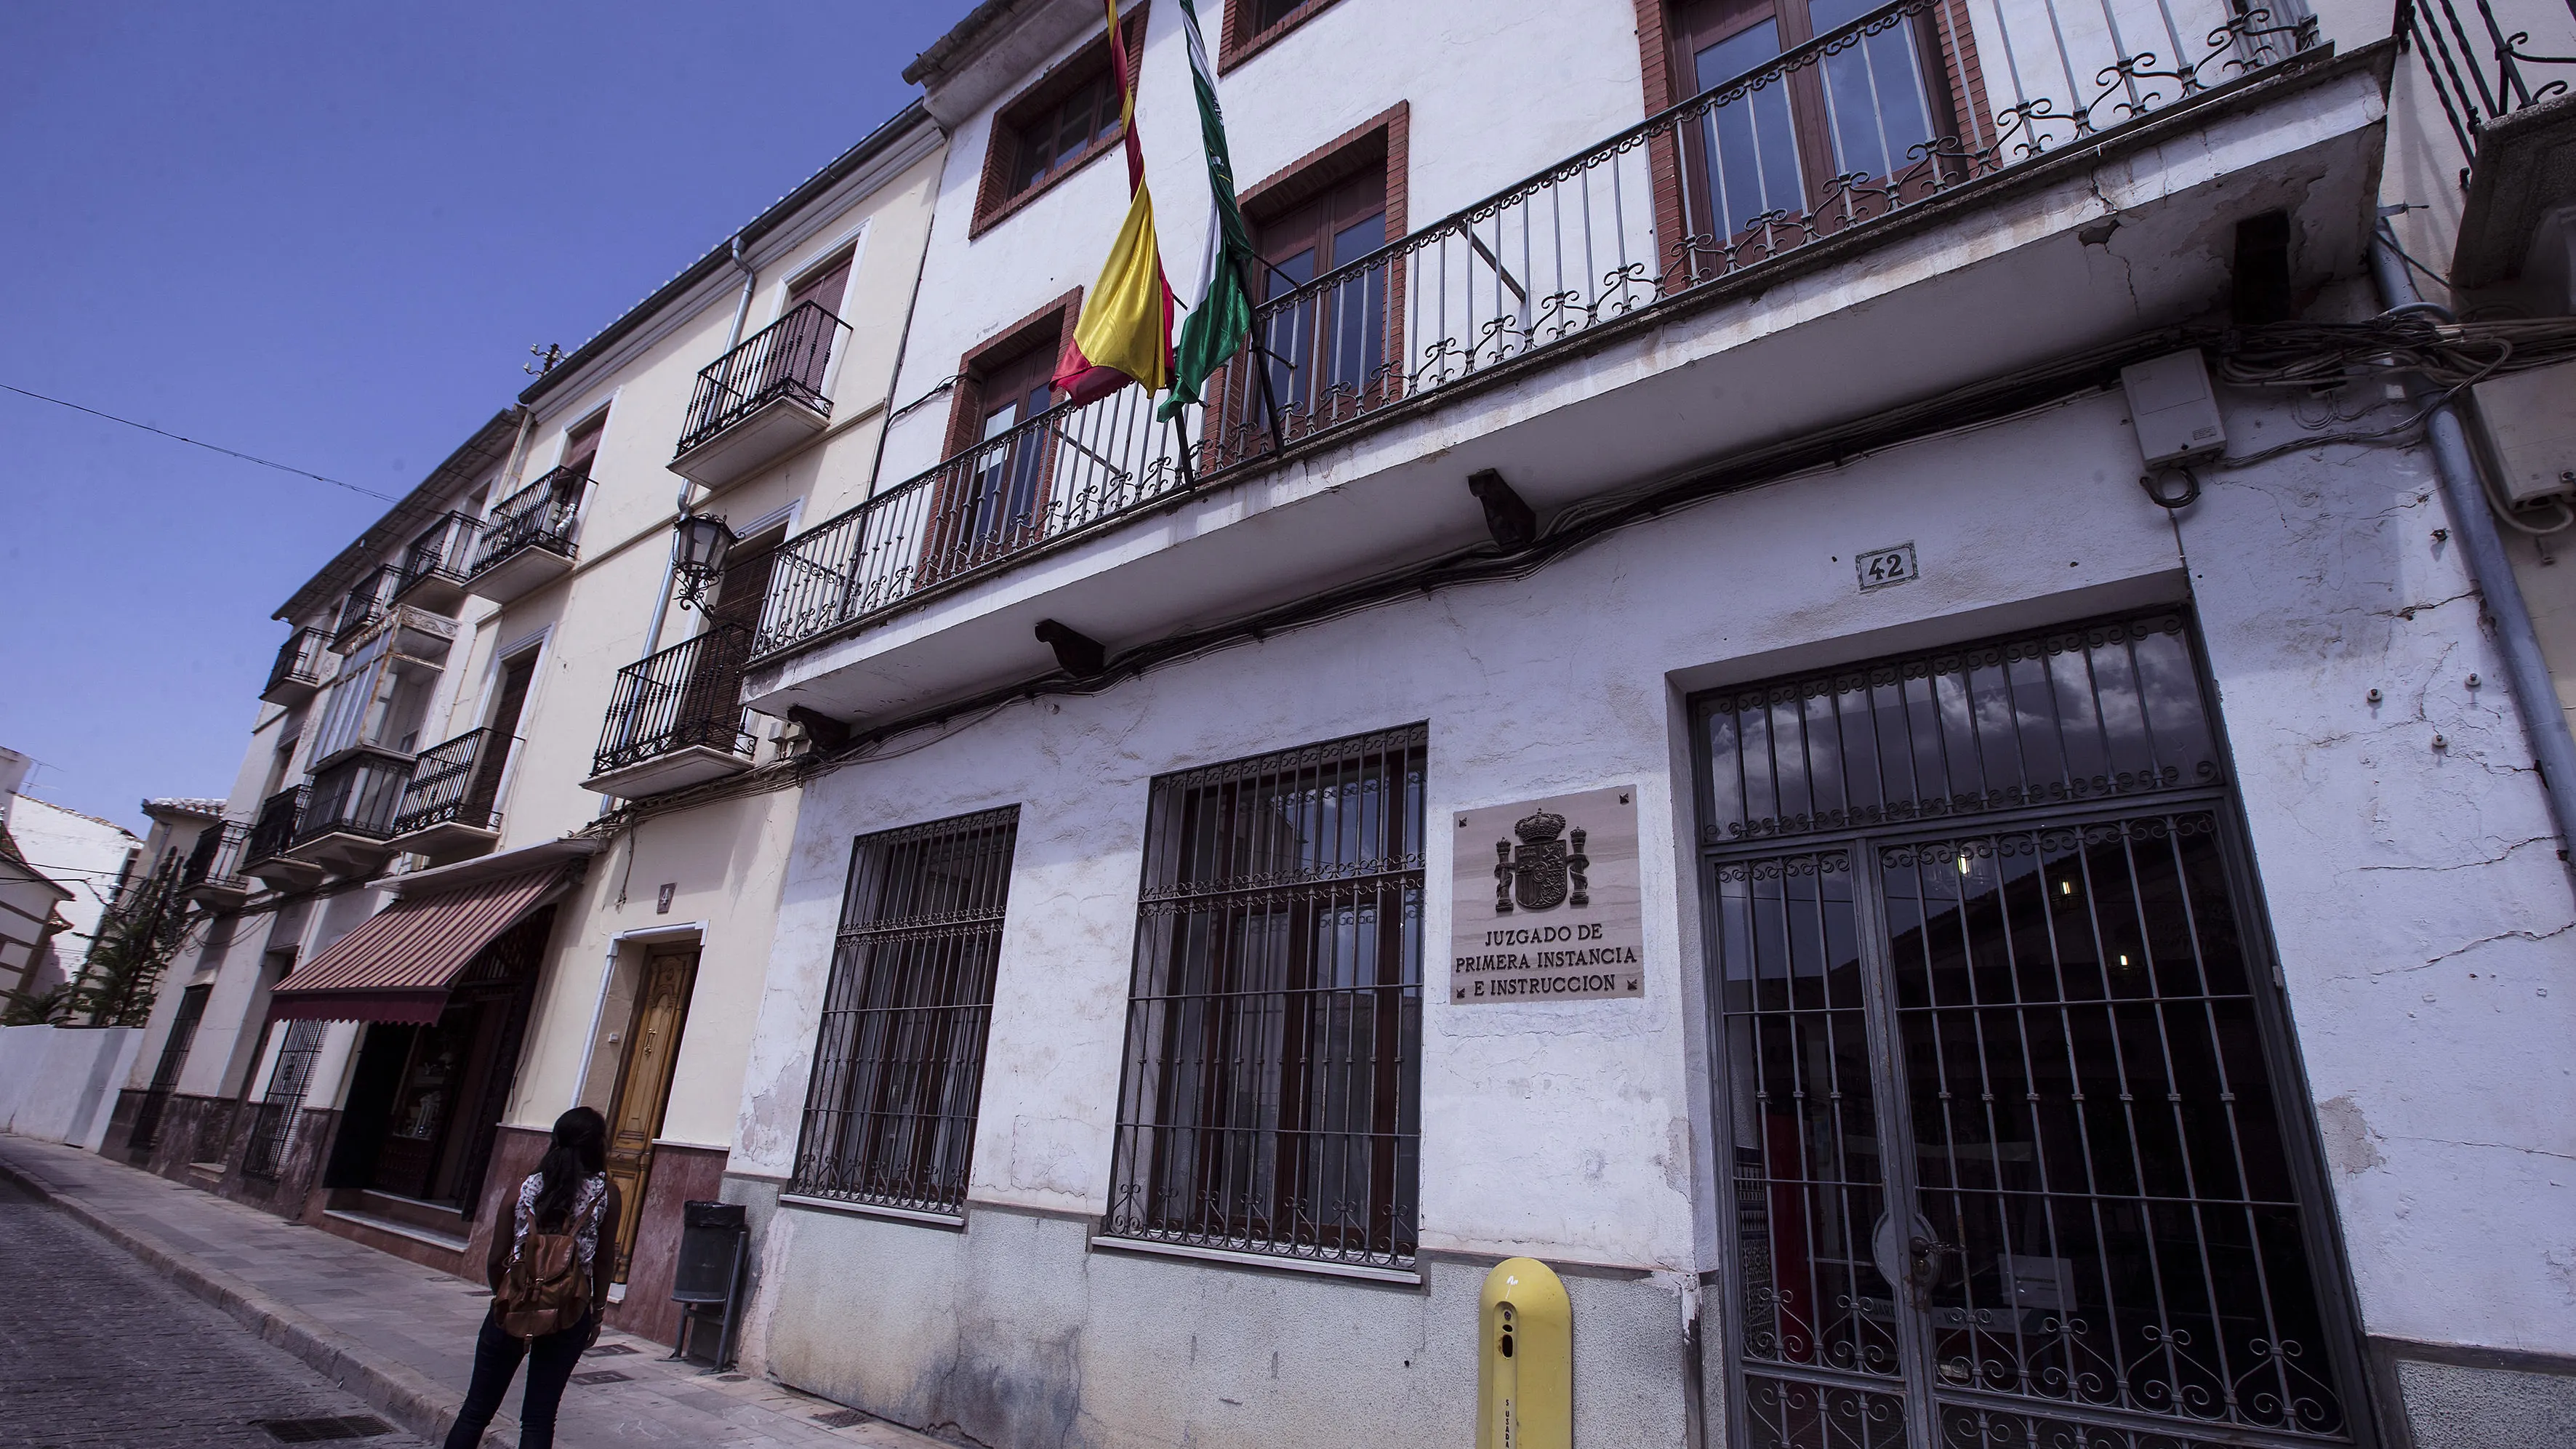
(1578, 1133)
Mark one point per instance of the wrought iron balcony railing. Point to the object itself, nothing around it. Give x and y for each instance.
(687, 695)
(2480, 72)
(540, 515)
(365, 604)
(1907, 101)
(216, 861)
(1054, 475)
(299, 663)
(786, 359)
(358, 796)
(456, 783)
(274, 831)
(445, 552)
(1883, 113)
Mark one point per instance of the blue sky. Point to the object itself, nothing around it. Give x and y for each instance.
(327, 234)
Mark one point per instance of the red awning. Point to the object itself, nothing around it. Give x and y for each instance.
(399, 964)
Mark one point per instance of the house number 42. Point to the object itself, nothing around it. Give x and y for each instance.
(1883, 566)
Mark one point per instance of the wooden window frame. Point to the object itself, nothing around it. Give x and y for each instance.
(1382, 139)
(1664, 89)
(1050, 327)
(994, 201)
(1239, 42)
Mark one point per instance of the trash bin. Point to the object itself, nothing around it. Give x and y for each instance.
(707, 1280)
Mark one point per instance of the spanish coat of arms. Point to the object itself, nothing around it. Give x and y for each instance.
(1544, 872)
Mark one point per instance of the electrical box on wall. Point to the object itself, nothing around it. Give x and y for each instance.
(2173, 409)
(2531, 430)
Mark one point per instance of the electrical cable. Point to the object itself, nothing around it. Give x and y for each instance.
(195, 443)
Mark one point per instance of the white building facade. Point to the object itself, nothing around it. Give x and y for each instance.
(2089, 966)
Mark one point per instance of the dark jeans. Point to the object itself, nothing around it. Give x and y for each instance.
(496, 1359)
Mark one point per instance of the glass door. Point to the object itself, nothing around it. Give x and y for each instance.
(2000, 1091)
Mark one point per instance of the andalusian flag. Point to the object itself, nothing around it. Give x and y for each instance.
(1126, 326)
(1223, 318)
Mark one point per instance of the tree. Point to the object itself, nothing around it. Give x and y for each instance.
(137, 939)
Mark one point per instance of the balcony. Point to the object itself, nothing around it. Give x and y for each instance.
(676, 719)
(433, 569)
(298, 670)
(212, 875)
(366, 603)
(760, 400)
(2510, 111)
(447, 811)
(347, 824)
(1925, 198)
(527, 543)
(264, 854)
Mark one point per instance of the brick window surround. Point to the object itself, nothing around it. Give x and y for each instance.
(1050, 326)
(1381, 140)
(993, 198)
(1239, 41)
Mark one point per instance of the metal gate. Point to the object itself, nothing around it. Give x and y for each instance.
(2000, 1067)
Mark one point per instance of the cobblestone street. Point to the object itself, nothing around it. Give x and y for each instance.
(103, 1351)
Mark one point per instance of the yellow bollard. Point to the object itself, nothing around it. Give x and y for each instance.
(1524, 1359)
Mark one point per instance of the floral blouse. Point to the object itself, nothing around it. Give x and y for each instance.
(586, 1203)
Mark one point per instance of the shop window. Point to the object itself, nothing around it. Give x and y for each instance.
(1272, 1082)
(899, 1063)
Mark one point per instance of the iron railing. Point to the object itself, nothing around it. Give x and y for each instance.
(1056, 474)
(274, 830)
(540, 515)
(687, 695)
(786, 359)
(273, 1120)
(299, 661)
(216, 860)
(1908, 102)
(357, 796)
(456, 783)
(2480, 73)
(444, 551)
(1911, 100)
(155, 1102)
(365, 604)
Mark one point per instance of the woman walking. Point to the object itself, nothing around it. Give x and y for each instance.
(548, 1268)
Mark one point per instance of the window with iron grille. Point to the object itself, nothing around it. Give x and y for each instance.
(1272, 1084)
(273, 1123)
(890, 1113)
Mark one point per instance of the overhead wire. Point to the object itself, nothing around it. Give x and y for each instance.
(200, 443)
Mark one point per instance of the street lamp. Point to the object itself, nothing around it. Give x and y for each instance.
(698, 547)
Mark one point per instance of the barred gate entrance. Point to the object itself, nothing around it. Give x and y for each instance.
(2001, 1067)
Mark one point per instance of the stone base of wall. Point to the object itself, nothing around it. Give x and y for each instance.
(1015, 1330)
(200, 1141)
(680, 1175)
(2471, 1398)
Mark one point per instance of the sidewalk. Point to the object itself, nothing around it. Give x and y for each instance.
(401, 1337)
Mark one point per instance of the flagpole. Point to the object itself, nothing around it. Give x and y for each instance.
(1260, 362)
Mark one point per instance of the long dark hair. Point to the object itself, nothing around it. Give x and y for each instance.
(578, 1153)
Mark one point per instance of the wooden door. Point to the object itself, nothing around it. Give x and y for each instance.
(644, 1087)
(808, 353)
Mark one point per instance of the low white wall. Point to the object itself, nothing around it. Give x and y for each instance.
(58, 1084)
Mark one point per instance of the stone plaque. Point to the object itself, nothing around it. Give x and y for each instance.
(1544, 903)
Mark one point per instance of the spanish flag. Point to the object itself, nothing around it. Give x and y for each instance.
(1125, 332)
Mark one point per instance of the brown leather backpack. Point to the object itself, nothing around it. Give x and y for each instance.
(546, 1289)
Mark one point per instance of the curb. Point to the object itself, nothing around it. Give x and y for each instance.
(418, 1404)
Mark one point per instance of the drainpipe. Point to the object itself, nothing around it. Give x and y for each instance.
(741, 309)
(2535, 695)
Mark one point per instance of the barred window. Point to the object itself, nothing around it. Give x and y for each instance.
(890, 1113)
(272, 1128)
(1273, 1081)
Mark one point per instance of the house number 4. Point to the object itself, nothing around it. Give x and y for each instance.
(1883, 566)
